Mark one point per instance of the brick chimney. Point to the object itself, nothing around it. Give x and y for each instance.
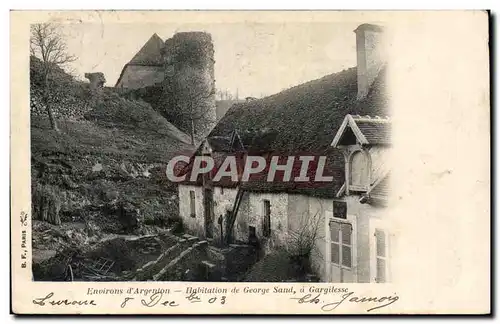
(370, 54)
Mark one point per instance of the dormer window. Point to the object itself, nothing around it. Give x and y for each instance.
(359, 171)
(364, 141)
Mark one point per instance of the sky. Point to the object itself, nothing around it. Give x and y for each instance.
(253, 59)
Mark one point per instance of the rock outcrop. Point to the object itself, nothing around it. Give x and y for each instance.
(96, 79)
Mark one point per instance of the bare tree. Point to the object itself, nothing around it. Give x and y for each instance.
(48, 44)
(301, 240)
(196, 101)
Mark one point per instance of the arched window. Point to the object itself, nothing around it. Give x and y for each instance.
(359, 171)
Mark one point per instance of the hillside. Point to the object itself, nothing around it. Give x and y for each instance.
(103, 174)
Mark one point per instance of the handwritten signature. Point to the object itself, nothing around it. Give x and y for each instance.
(42, 301)
(330, 306)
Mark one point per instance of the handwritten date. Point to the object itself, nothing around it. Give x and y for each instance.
(157, 299)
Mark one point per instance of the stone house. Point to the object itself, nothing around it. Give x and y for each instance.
(300, 121)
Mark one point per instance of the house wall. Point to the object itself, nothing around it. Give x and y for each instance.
(193, 225)
(224, 200)
(318, 213)
(306, 217)
(363, 213)
(279, 221)
(318, 208)
(136, 76)
(290, 214)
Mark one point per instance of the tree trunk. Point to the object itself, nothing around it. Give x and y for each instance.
(53, 122)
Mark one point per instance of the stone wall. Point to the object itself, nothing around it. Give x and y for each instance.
(187, 266)
(64, 106)
(192, 225)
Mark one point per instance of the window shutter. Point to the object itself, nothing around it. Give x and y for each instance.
(359, 170)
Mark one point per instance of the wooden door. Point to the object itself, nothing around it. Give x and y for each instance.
(208, 203)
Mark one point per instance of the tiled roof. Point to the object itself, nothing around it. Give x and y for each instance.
(220, 143)
(302, 121)
(381, 188)
(150, 53)
(366, 129)
(376, 130)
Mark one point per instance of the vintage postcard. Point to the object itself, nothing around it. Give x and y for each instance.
(239, 162)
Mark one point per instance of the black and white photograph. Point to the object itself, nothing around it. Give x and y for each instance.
(250, 162)
(106, 122)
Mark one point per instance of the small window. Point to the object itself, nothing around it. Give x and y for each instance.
(266, 230)
(382, 256)
(192, 203)
(359, 173)
(341, 244)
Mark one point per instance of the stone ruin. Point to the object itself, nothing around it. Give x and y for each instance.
(96, 79)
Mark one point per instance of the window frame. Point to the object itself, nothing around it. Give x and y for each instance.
(348, 170)
(342, 244)
(352, 219)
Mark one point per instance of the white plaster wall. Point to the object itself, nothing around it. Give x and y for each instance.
(192, 225)
(279, 219)
(224, 199)
(318, 208)
(362, 214)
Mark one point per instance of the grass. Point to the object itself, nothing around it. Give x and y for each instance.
(90, 138)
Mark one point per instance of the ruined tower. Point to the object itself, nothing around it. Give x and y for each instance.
(189, 80)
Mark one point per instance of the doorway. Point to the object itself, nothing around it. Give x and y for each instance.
(208, 203)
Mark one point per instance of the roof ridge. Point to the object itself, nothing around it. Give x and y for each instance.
(149, 53)
(368, 118)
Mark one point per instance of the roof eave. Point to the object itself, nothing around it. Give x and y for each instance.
(348, 120)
